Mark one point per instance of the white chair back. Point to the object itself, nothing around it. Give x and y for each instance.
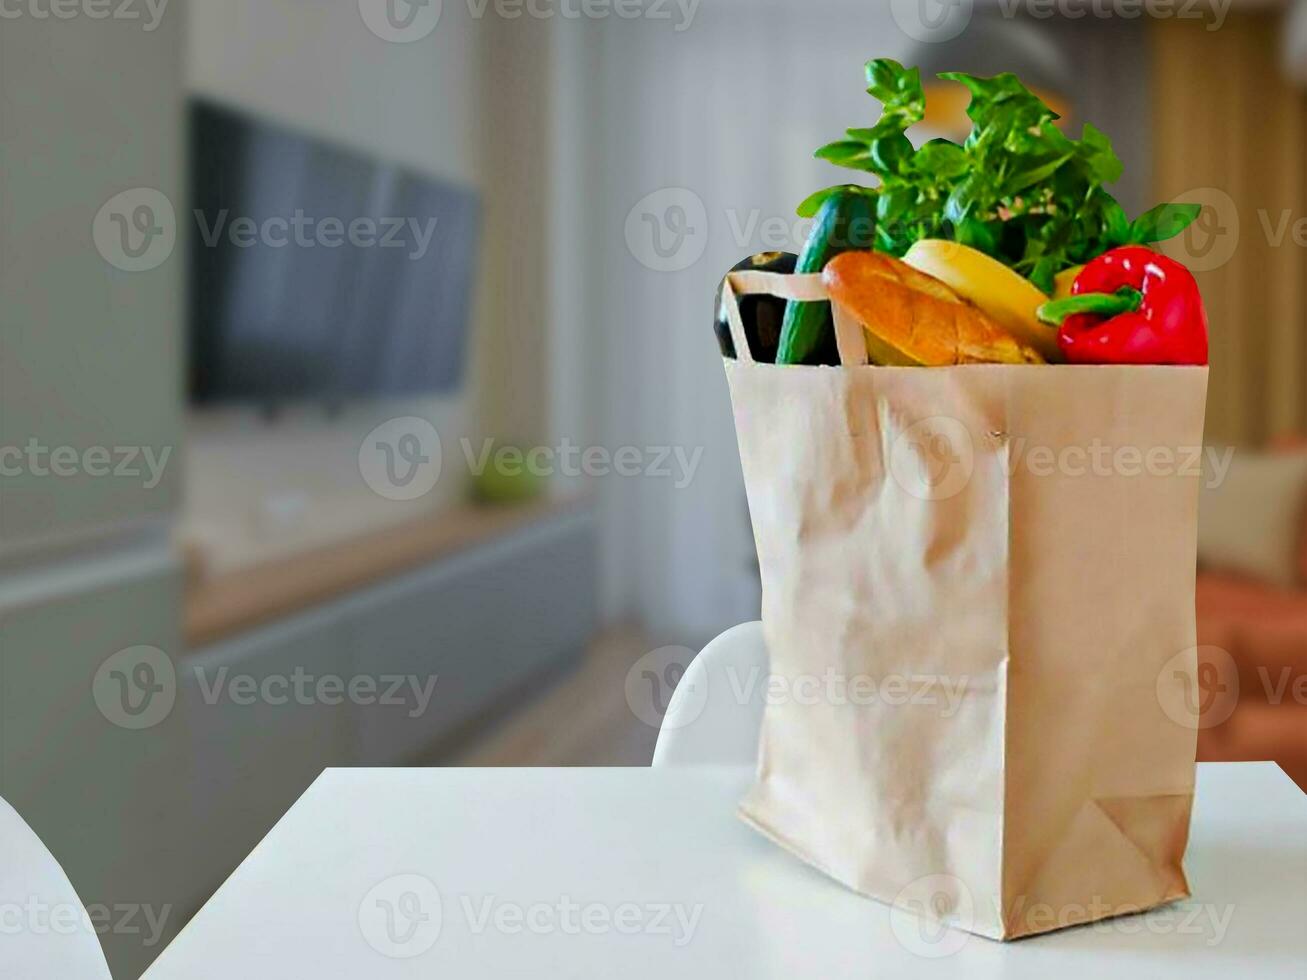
(45, 933)
(716, 710)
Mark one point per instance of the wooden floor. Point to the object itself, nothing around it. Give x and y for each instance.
(579, 719)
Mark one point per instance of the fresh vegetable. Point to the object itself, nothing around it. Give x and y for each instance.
(1131, 306)
(762, 315)
(845, 220)
(994, 288)
(911, 318)
(1018, 190)
(1063, 281)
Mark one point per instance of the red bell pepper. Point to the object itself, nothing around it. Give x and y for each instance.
(1131, 306)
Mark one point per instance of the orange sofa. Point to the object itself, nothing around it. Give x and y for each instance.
(1252, 672)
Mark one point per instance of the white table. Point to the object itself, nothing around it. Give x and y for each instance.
(566, 873)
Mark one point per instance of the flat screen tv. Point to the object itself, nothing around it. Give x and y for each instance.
(318, 272)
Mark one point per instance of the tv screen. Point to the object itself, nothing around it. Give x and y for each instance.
(318, 272)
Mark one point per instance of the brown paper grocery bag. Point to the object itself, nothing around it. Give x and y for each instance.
(978, 599)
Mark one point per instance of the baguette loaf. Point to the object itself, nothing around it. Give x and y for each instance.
(911, 318)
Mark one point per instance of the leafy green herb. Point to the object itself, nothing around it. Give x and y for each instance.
(1018, 189)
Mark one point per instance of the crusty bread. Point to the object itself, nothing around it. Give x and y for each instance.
(913, 318)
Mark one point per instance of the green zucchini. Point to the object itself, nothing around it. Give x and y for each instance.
(846, 221)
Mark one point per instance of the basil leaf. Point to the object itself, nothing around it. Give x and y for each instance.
(1116, 225)
(1100, 158)
(1162, 222)
(978, 234)
(1035, 175)
(899, 90)
(890, 153)
(844, 153)
(1043, 273)
(961, 201)
(989, 93)
(940, 158)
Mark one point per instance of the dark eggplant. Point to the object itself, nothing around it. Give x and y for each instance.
(762, 315)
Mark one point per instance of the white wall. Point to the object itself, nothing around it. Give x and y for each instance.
(89, 352)
(316, 66)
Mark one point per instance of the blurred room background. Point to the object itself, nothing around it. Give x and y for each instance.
(443, 470)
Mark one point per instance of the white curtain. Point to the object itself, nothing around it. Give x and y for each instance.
(730, 109)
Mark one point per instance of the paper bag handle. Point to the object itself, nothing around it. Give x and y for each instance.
(804, 288)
